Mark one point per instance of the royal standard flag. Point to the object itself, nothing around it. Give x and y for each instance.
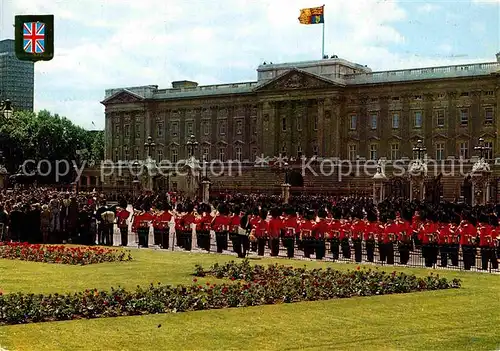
(314, 15)
(34, 37)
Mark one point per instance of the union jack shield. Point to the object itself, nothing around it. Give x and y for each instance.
(34, 37)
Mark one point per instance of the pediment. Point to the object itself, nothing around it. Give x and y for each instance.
(122, 97)
(417, 137)
(488, 135)
(440, 136)
(296, 79)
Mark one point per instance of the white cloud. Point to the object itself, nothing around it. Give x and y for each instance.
(112, 43)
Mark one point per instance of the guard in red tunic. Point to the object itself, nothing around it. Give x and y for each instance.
(390, 238)
(203, 227)
(454, 245)
(335, 230)
(358, 229)
(261, 231)
(372, 232)
(487, 242)
(275, 227)
(179, 226)
(444, 240)
(345, 235)
(290, 231)
(220, 225)
(306, 233)
(404, 237)
(319, 232)
(142, 223)
(468, 237)
(187, 230)
(234, 224)
(122, 215)
(254, 219)
(161, 226)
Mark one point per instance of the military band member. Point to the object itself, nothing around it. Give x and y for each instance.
(275, 227)
(187, 228)
(203, 228)
(404, 237)
(487, 239)
(234, 224)
(179, 226)
(254, 220)
(161, 227)
(142, 221)
(306, 233)
(290, 231)
(319, 231)
(220, 225)
(390, 238)
(358, 228)
(122, 215)
(454, 246)
(345, 235)
(261, 232)
(335, 230)
(445, 240)
(373, 229)
(468, 234)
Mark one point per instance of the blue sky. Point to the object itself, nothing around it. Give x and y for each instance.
(107, 44)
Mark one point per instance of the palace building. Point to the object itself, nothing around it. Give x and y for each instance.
(325, 108)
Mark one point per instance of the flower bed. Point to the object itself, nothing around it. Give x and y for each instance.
(250, 286)
(79, 255)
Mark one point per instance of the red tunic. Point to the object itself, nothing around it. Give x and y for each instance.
(321, 229)
(467, 234)
(261, 228)
(204, 222)
(373, 230)
(290, 226)
(306, 229)
(358, 229)
(234, 223)
(162, 219)
(445, 236)
(428, 233)
(335, 228)
(390, 233)
(486, 237)
(221, 223)
(142, 220)
(275, 226)
(122, 217)
(404, 231)
(345, 230)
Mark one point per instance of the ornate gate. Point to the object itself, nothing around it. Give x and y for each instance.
(397, 187)
(467, 190)
(433, 190)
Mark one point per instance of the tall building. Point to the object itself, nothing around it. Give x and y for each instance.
(325, 108)
(17, 78)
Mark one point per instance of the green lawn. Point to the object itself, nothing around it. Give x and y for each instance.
(459, 319)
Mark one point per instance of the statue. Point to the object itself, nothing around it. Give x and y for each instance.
(381, 167)
(480, 166)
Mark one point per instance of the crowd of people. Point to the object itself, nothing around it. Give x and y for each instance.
(317, 226)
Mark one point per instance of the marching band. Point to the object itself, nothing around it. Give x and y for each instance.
(314, 231)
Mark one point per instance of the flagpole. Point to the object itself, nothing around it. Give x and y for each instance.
(323, 40)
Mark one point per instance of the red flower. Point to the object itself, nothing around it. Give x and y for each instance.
(233, 278)
(195, 280)
(358, 268)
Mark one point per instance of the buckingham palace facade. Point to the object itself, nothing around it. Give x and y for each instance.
(325, 108)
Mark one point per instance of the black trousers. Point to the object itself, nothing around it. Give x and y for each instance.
(243, 243)
(274, 244)
(203, 238)
(389, 250)
(469, 256)
(382, 251)
(308, 245)
(334, 248)
(370, 250)
(320, 247)
(178, 238)
(488, 254)
(158, 236)
(289, 244)
(221, 241)
(233, 237)
(100, 233)
(108, 234)
(299, 242)
(187, 240)
(261, 246)
(417, 241)
(404, 252)
(124, 236)
(427, 254)
(357, 250)
(444, 250)
(453, 254)
(346, 248)
(143, 234)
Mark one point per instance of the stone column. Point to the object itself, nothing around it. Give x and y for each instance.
(206, 191)
(285, 192)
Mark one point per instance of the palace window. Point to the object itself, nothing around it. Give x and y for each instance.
(374, 120)
(126, 153)
(418, 97)
(395, 120)
(417, 119)
(353, 119)
(489, 151)
(489, 93)
(126, 130)
(174, 155)
(239, 127)
(283, 124)
(394, 151)
(137, 130)
(464, 94)
(439, 151)
(159, 129)
(299, 124)
(222, 128)
(464, 150)
(205, 153)
(238, 153)
(159, 155)
(175, 129)
(222, 154)
(440, 95)
(206, 128)
(488, 115)
(440, 118)
(299, 152)
(353, 152)
(189, 128)
(464, 116)
(373, 152)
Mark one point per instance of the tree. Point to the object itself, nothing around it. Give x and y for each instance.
(43, 136)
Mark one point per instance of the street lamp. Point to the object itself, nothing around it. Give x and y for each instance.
(482, 148)
(136, 167)
(419, 149)
(6, 108)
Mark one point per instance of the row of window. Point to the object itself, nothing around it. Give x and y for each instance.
(174, 154)
(439, 148)
(439, 118)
